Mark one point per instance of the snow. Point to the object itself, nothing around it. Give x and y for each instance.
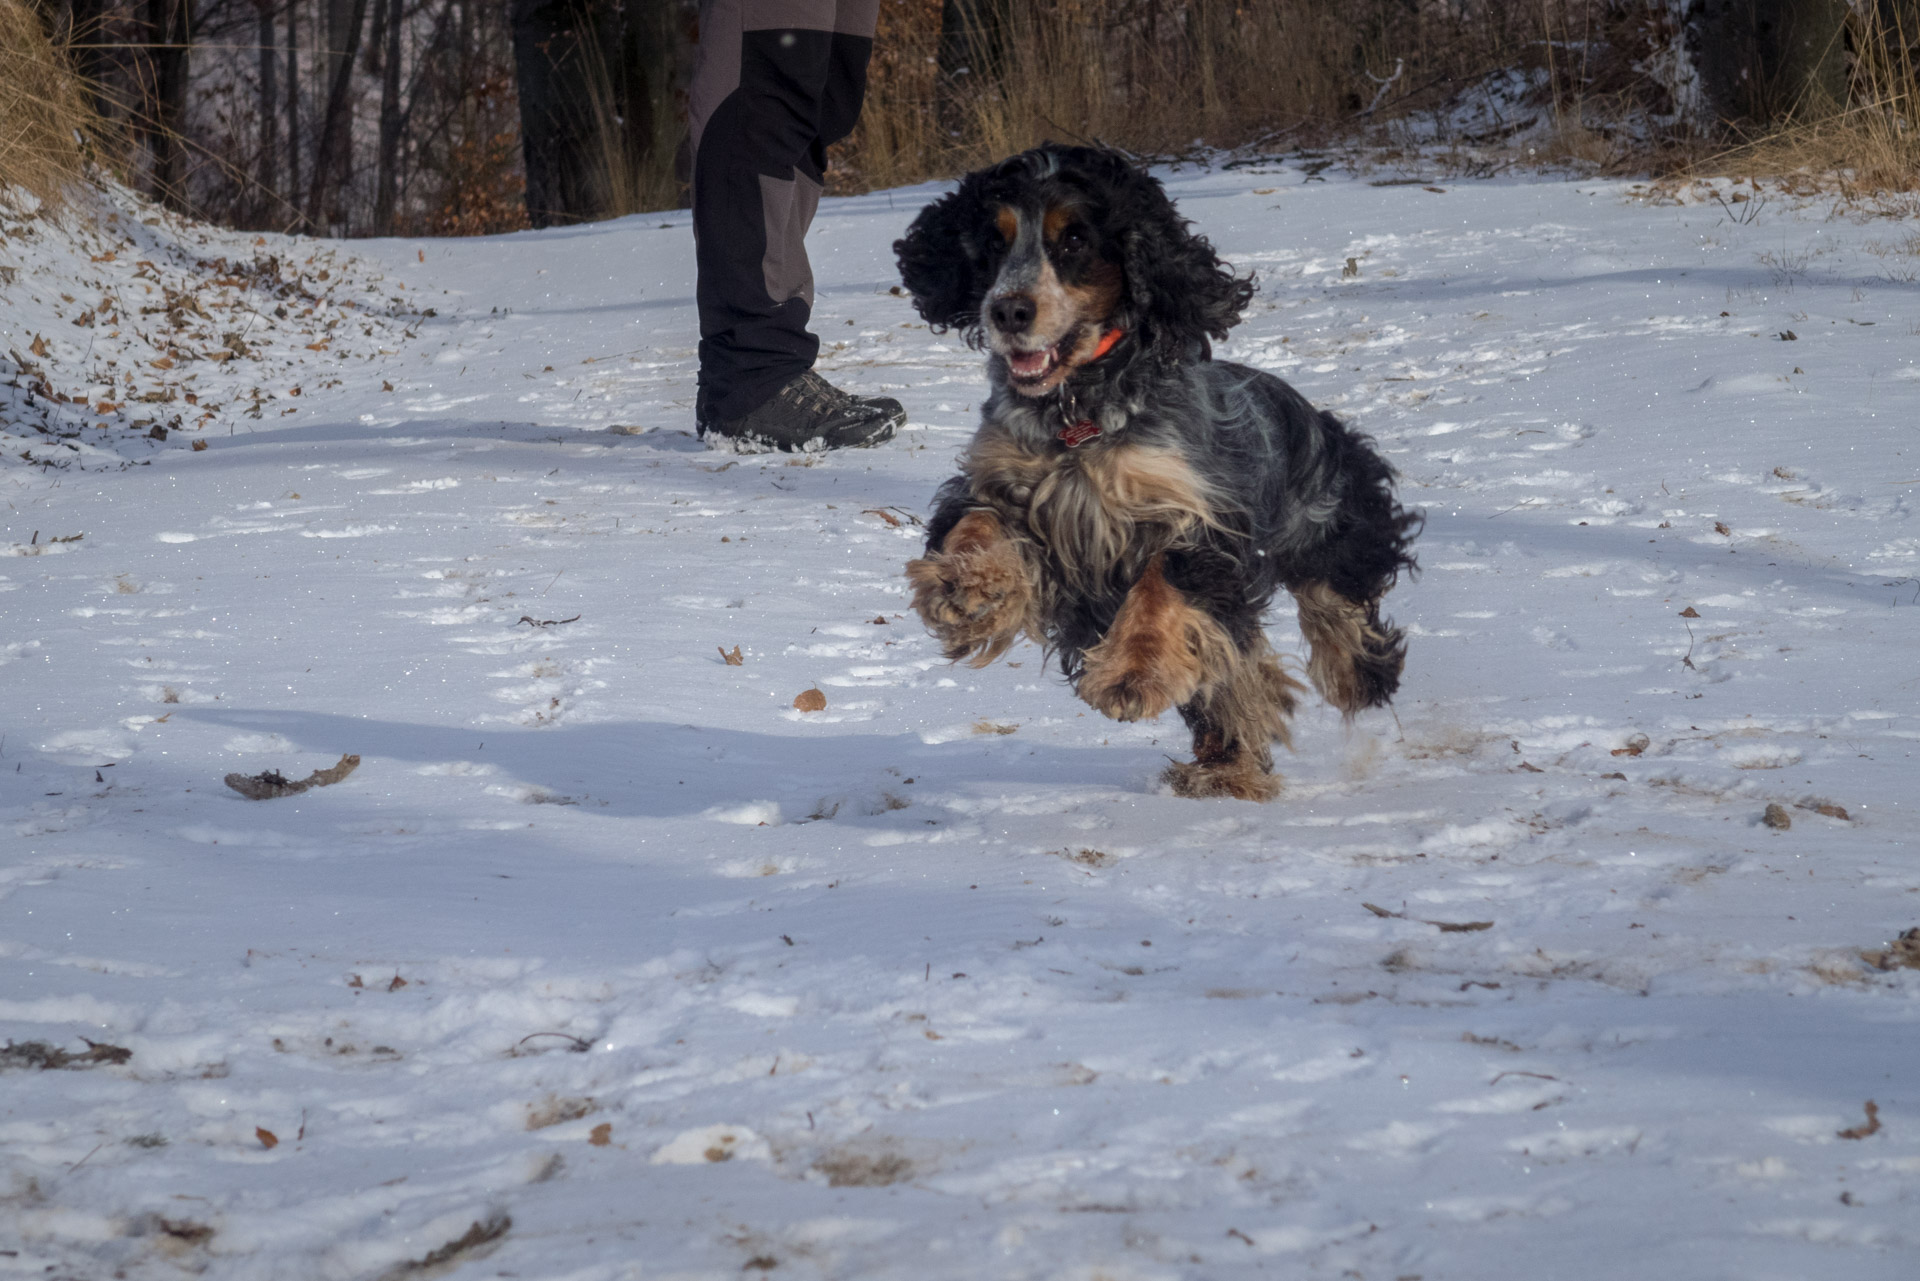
(608, 962)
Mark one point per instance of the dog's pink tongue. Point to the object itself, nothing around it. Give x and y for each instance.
(1027, 363)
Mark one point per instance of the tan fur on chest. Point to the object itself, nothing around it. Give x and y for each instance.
(1092, 510)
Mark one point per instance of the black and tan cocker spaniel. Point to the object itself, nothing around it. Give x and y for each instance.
(1129, 502)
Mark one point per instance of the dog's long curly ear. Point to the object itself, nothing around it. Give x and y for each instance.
(943, 259)
(1179, 291)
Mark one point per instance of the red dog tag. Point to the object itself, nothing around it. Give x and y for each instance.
(1080, 433)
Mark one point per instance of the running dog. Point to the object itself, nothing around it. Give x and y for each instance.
(1129, 502)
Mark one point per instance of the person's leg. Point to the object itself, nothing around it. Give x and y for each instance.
(776, 82)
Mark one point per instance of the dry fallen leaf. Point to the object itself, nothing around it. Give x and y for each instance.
(165, 362)
(39, 347)
(1689, 612)
(892, 520)
(735, 659)
(1720, 527)
(268, 1139)
(397, 984)
(601, 1134)
(1776, 817)
(267, 786)
(810, 700)
(199, 445)
(1862, 1131)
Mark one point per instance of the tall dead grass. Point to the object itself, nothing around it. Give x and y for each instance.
(43, 113)
(1158, 77)
(1867, 144)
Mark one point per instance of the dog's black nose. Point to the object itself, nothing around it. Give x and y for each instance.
(1012, 314)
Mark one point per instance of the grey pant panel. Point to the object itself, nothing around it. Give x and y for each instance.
(716, 64)
(789, 206)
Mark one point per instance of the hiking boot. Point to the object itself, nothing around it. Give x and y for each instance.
(807, 415)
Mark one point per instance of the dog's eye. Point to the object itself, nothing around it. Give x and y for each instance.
(1073, 238)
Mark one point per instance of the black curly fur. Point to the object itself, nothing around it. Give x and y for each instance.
(1294, 498)
(1179, 293)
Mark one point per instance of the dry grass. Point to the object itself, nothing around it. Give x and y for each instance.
(1154, 77)
(43, 113)
(1866, 146)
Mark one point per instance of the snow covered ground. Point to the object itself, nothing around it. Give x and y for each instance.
(607, 962)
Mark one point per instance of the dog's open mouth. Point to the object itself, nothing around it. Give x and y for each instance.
(1032, 366)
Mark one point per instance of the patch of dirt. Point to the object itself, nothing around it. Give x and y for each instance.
(1902, 954)
(476, 1242)
(554, 1110)
(45, 1057)
(848, 1167)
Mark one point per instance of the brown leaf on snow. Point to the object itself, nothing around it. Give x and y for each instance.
(601, 1134)
(733, 659)
(319, 346)
(1720, 527)
(397, 984)
(268, 1139)
(1636, 744)
(1776, 817)
(993, 727)
(39, 347)
(810, 700)
(1689, 612)
(199, 445)
(1862, 1131)
(893, 521)
(273, 784)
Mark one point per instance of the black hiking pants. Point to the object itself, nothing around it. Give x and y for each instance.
(776, 82)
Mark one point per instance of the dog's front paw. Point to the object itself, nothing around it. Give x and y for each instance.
(975, 597)
(1135, 690)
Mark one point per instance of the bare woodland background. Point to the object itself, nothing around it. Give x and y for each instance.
(455, 117)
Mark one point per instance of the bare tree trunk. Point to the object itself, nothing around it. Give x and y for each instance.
(169, 35)
(293, 103)
(269, 176)
(333, 126)
(1761, 60)
(344, 37)
(386, 182)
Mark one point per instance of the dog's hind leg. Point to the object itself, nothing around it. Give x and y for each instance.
(976, 593)
(1356, 655)
(1235, 723)
(1160, 652)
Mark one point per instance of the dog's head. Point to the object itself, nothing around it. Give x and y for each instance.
(1043, 256)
